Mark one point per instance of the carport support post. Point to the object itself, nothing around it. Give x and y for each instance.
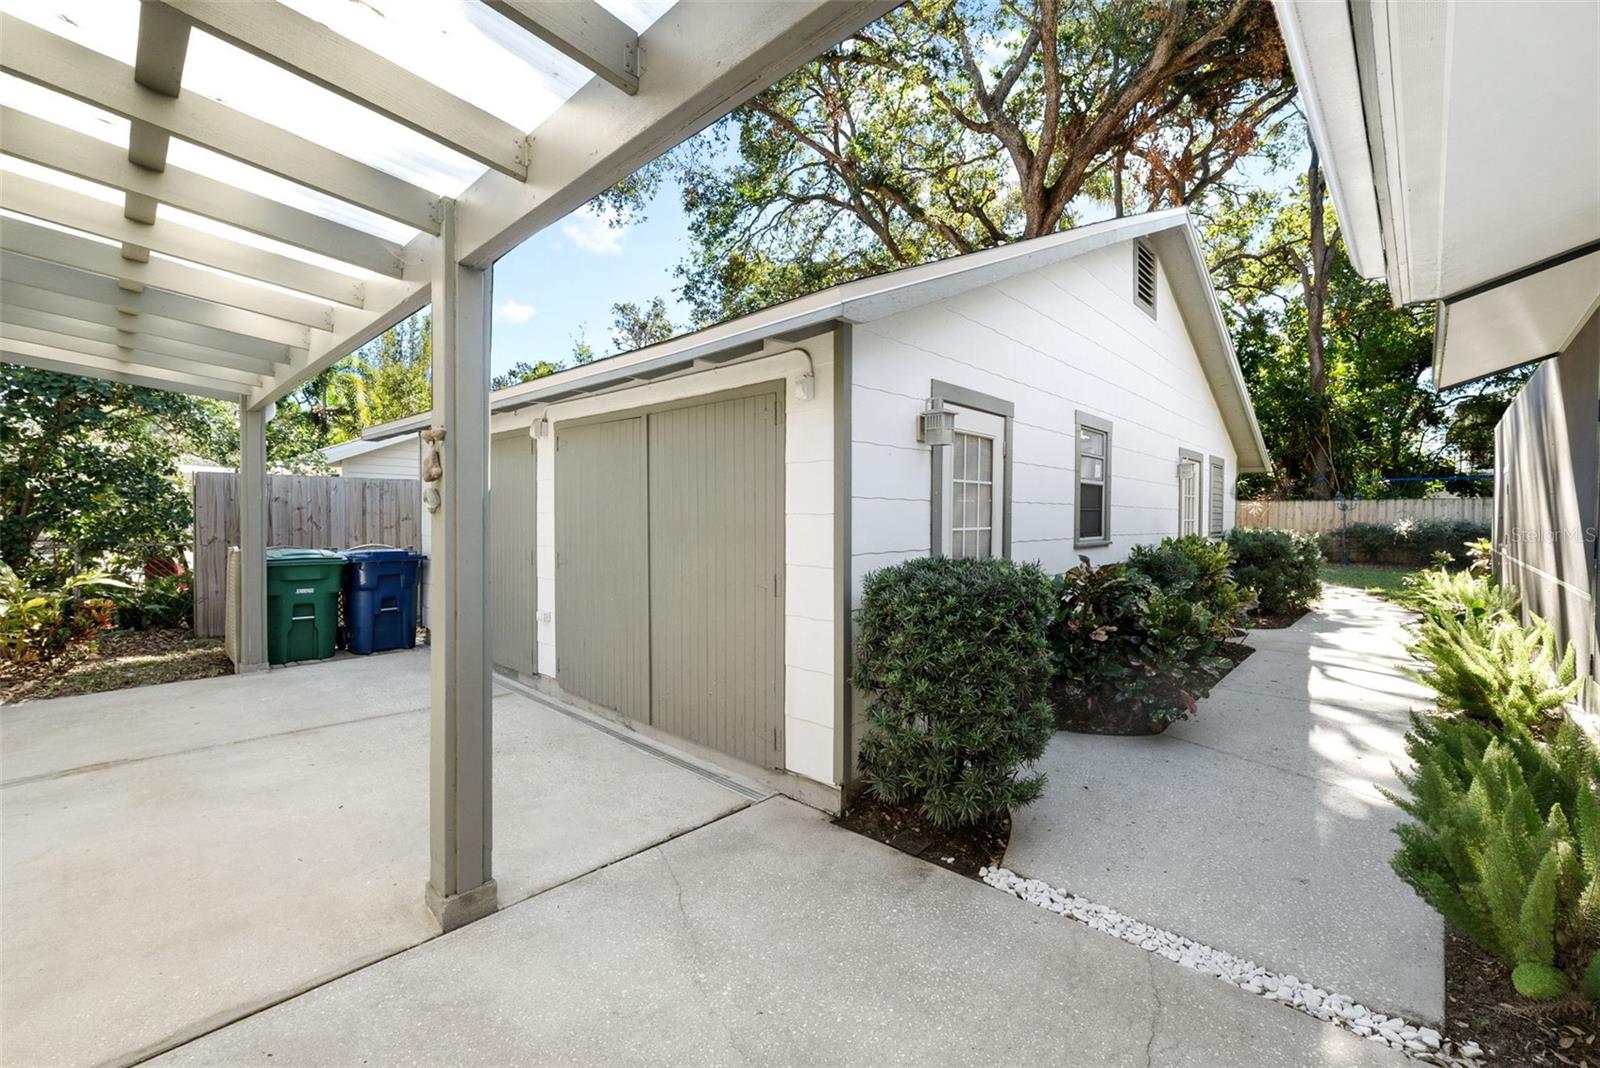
(460, 886)
(252, 538)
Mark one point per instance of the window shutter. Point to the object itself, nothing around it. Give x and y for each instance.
(1216, 496)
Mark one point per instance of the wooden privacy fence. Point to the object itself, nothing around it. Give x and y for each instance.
(305, 511)
(1325, 515)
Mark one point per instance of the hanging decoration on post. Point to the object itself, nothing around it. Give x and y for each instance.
(936, 424)
(432, 467)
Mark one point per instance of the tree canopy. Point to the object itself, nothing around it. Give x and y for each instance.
(89, 465)
(952, 125)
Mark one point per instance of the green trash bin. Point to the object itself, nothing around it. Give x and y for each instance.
(302, 604)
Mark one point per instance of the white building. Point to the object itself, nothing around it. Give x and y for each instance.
(679, 534)
(398, 457)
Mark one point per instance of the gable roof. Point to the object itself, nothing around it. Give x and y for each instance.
(1170, 234)
(360, 446)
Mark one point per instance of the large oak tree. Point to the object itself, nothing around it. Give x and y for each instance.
(953, 125)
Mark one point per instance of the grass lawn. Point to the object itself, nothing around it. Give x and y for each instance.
(1384, 581)
(116, 660)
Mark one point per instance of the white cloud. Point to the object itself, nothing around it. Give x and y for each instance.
(590, 229)
(513, 311)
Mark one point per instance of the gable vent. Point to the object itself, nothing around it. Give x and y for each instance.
(1144, 278)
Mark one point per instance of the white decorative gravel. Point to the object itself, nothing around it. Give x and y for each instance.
(1423, 1043)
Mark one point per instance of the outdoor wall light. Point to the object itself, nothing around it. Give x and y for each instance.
(805, 386)
(936, 425)
(540, 427)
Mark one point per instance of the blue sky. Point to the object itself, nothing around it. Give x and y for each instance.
(565, 278)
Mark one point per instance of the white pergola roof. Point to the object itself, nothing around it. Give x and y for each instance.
(1462, 147)
(224, 198)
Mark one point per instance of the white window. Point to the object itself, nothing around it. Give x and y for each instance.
(972, 496)
(1093, 459)
(1188, 493)
(974, 486)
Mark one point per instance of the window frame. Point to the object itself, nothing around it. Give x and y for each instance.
(1140, 248)
(938, 507)
(1199, 461)
(1082, 421)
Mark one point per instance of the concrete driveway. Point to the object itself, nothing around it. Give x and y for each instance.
(772, 937)
(1258, 827)
(175, 857)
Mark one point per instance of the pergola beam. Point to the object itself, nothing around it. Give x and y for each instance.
(70, 250)
(82, 156)
(47, 358)
(583, 31)
(283, 36)
(67, 67)
(41, 200)
(133, 357)
(88, 286)
(130, 336)
(591, 144)
(350, 331)
(67, 309)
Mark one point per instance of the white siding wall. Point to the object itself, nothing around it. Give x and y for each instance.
(398, 460)
(809, 574)
(1053, 341)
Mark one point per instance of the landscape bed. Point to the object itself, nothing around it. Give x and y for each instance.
(116, 660)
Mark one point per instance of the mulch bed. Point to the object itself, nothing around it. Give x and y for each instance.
(1072, 714)
(117, 660)
(1482, 1007)
(963, 850)
(1276, 620)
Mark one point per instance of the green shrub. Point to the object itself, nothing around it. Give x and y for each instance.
(1198, 570)
(1591, 979)
(1407, 542)
(1492, 668)
(1506, 843)
(1133, 655)
(39, 624)
(1467, 596)
(1540, 981)
(957, 654)
(1281, 567)
(161, 601)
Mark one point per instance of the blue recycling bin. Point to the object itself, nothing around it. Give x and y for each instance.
(380, 599)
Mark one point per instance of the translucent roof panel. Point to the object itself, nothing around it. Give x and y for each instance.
(110, 27)
(267, 92)
(63, 110)
(459, 45)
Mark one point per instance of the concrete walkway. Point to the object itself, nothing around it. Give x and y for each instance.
(175, 857)
(1257, 827)
(771, 937)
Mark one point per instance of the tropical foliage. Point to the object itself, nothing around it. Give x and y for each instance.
(1136, 643)
(40, 623)
(1503, 788)
(1506, 843)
